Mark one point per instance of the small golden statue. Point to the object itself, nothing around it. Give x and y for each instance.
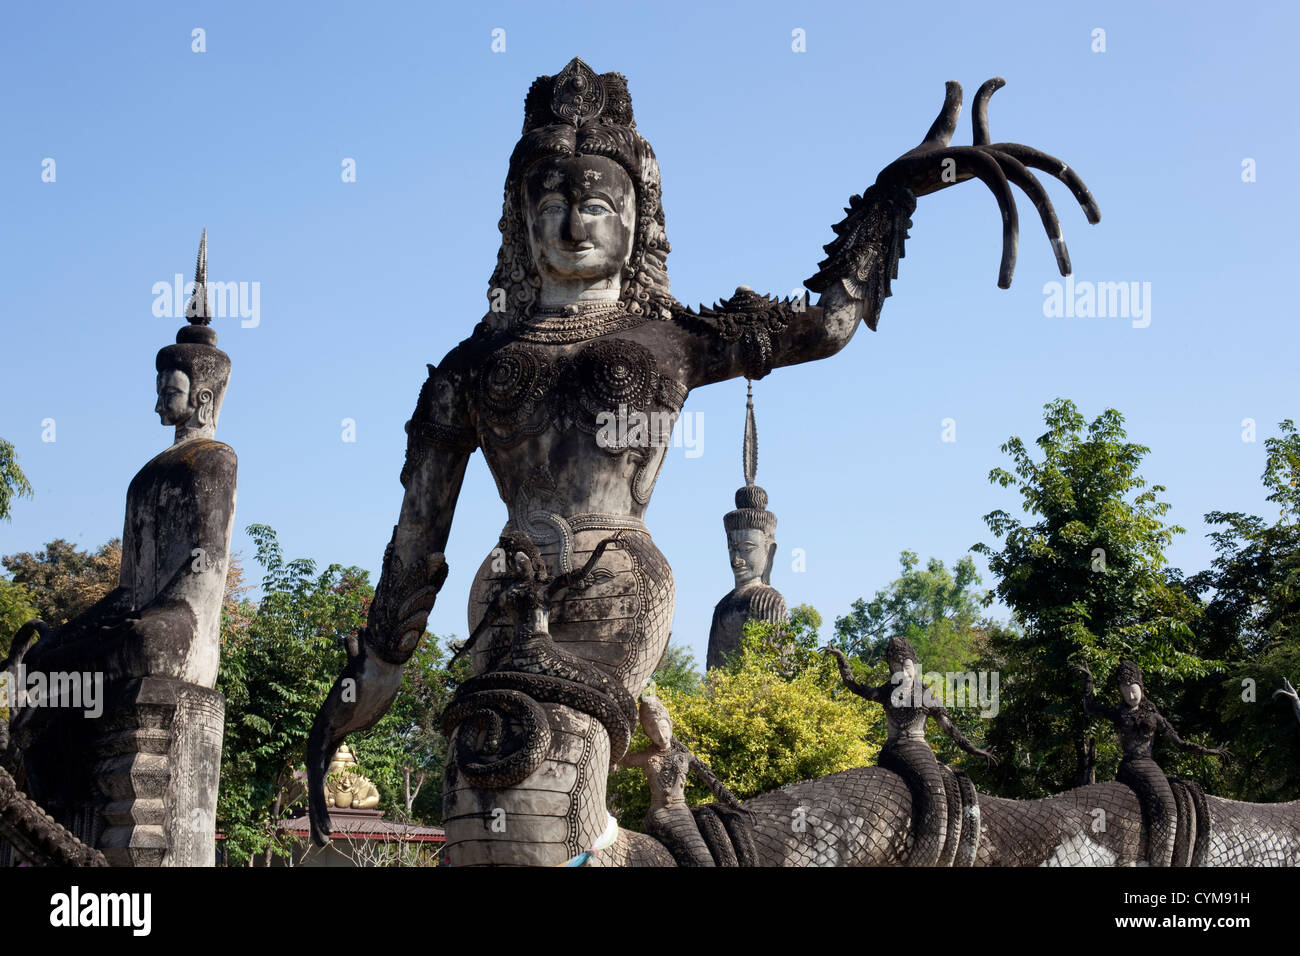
(345, 788)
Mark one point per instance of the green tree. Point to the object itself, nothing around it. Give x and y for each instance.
(279, 658)
(677, 670)
(1252, 618)
(16, 609)
(13, 483)
(775, 714)
(937, 610)
(1087, 581)
(61, 580)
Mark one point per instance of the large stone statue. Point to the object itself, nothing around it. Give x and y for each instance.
(1137, 721)
(581, 331)
(140, 780)
(751, 545)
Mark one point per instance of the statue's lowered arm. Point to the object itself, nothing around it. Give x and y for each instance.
(947, 725)
(1194, 748)
(413, 573)
(753, 334)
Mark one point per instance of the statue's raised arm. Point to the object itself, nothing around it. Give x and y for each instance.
(752, 334)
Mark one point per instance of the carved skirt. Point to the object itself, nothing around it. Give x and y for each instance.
(914, 761)
(1159, 807)
(619, 620)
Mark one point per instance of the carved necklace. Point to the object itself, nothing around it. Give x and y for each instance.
(575, 322)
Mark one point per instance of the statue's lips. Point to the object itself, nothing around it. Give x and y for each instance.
(577, 252)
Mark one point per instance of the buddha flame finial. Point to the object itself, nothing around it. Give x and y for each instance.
(196, 310)
(751, 435)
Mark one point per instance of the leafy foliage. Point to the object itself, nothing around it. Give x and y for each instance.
(937, 610)
(16, 609)
(13, 483)
(1253, 619)
(776, 714)
(1088, 583)
(279, 659)
(61, 580)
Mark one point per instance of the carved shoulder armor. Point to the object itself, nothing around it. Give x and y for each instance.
(751, 319)
(443, 417)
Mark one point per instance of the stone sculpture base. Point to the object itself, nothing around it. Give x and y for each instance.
(157, 767)
(140, 781)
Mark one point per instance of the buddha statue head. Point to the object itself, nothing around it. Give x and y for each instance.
(193, 373)
(751, 537)
(582, 204)
(1128, 678)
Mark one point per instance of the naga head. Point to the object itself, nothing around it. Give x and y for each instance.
(582, 200)
(193, 373)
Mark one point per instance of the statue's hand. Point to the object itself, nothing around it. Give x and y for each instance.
(1223, 752)
(359, 698)
(992, 760)
(935, 165)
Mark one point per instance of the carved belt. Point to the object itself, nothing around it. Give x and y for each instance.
(547, 527)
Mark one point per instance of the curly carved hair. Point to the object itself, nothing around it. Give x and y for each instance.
(1129, 673)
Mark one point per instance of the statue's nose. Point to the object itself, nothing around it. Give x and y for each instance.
(574, 230)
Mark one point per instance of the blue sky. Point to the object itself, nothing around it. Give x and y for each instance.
(363, 283)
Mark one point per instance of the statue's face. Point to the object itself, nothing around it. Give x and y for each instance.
(581, 216)
(908, 671)
(658, 726)
(751, 553)
(1132, 694)
(173, 397)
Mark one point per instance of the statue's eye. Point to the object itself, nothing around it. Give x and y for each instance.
(552, 208)
(596, 209)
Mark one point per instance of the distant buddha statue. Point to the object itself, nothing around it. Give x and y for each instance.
(347, 789)
(751, 543)
(153, 642)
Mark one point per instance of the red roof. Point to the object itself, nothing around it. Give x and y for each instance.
(368, 825)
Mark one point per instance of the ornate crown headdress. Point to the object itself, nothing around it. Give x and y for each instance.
(581, 112)
(1128, 673)
(900, 649)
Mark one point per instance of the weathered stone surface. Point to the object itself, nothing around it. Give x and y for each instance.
(139, 778)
